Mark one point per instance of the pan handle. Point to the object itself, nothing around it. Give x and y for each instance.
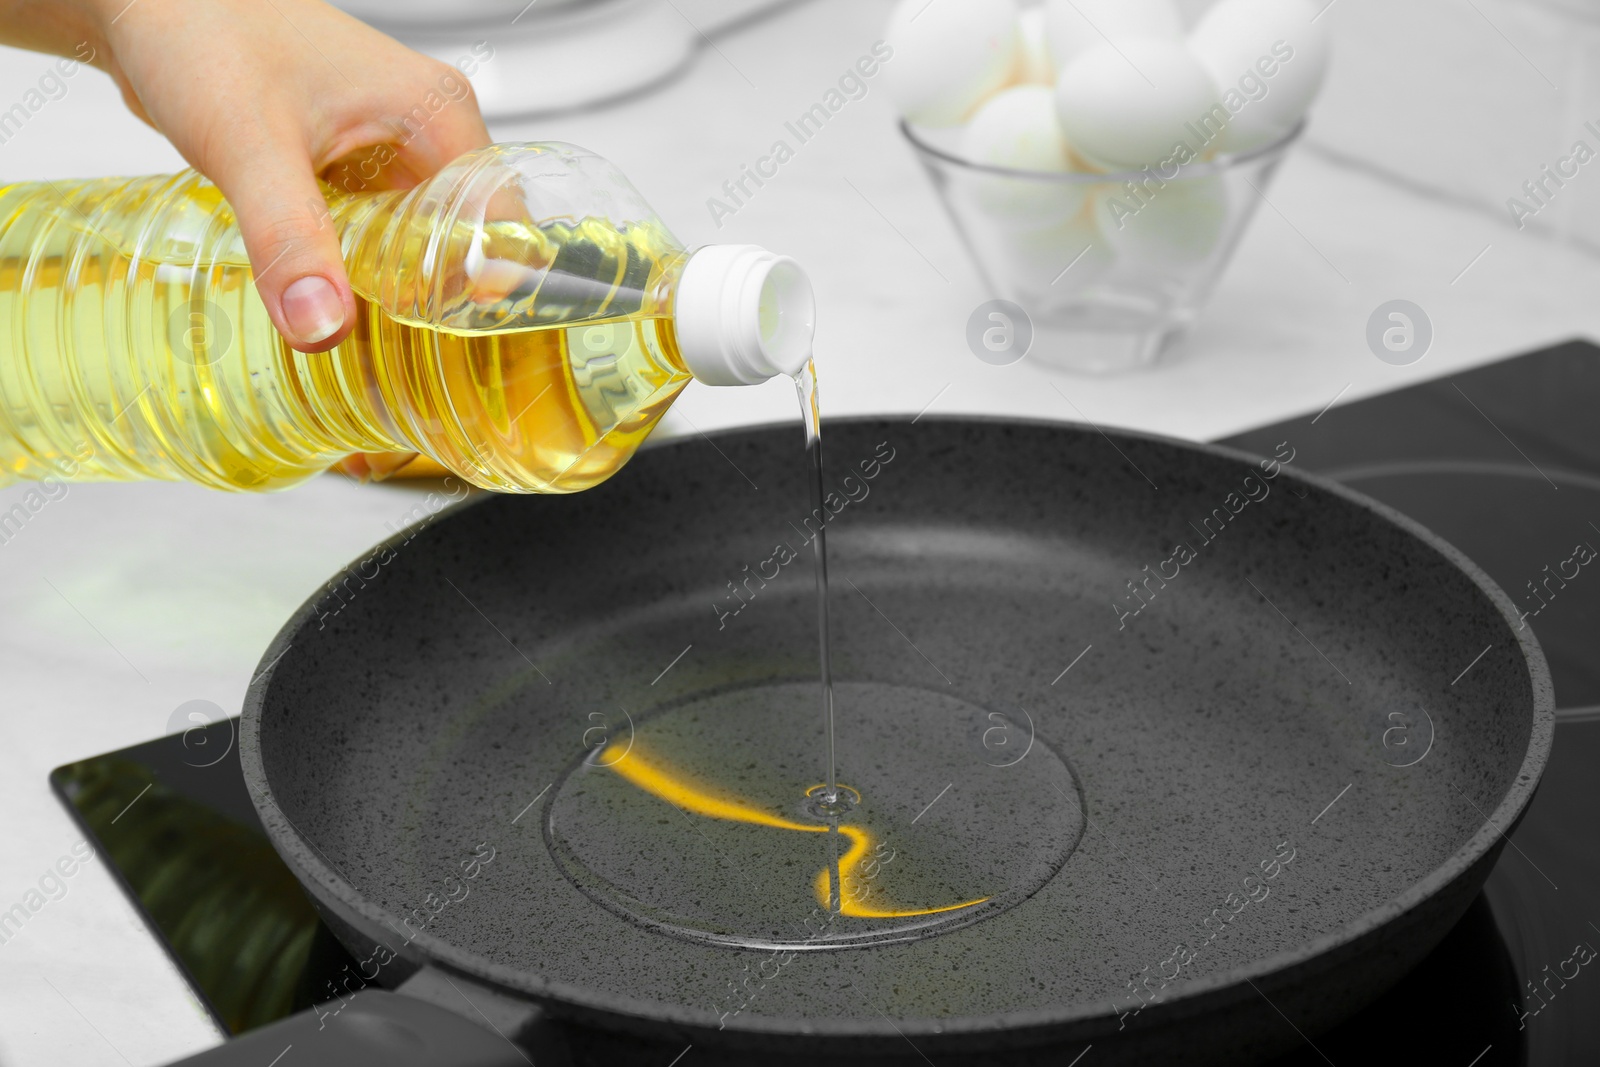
(377, 1028)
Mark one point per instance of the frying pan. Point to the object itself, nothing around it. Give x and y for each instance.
(1270, 738)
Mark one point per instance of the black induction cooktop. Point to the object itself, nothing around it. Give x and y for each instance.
(1502, 461)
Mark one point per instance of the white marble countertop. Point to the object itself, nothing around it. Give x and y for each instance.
(118, 603)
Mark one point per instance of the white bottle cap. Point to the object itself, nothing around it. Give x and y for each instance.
(743, 315)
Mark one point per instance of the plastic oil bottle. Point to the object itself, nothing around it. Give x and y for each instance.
(522, 318)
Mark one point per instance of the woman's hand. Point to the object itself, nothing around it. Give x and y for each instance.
(262, 97)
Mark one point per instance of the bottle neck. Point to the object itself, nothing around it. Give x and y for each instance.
(743, 315)
(663, 294)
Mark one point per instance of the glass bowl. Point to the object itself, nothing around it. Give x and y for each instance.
(1111, 268)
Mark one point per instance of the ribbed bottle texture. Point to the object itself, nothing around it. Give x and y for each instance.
(513, 323)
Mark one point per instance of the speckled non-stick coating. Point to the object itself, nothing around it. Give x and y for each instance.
(1249, 708)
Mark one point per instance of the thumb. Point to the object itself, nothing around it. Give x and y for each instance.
(293, 245)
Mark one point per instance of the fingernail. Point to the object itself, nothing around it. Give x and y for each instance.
(313, 310)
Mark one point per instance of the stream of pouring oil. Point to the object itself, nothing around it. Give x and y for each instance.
(806, 384)
(828, 801)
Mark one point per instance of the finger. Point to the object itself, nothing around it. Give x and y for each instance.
(383, 465)
(293, 245)
(409, 147)
(353, 467)
(379, 466)
(131, 97)
(370, 168)
(457, 129)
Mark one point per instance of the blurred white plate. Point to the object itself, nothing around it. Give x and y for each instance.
(544, 56)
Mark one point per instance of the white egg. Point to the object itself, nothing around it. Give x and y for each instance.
(1075, 26)
(949, 56)
(1017, 129)
(1046, 266)
(1163, 228)
(1127, 106)
(1268, 59)
(1037, 68)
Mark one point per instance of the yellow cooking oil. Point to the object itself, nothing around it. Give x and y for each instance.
(135, 345)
